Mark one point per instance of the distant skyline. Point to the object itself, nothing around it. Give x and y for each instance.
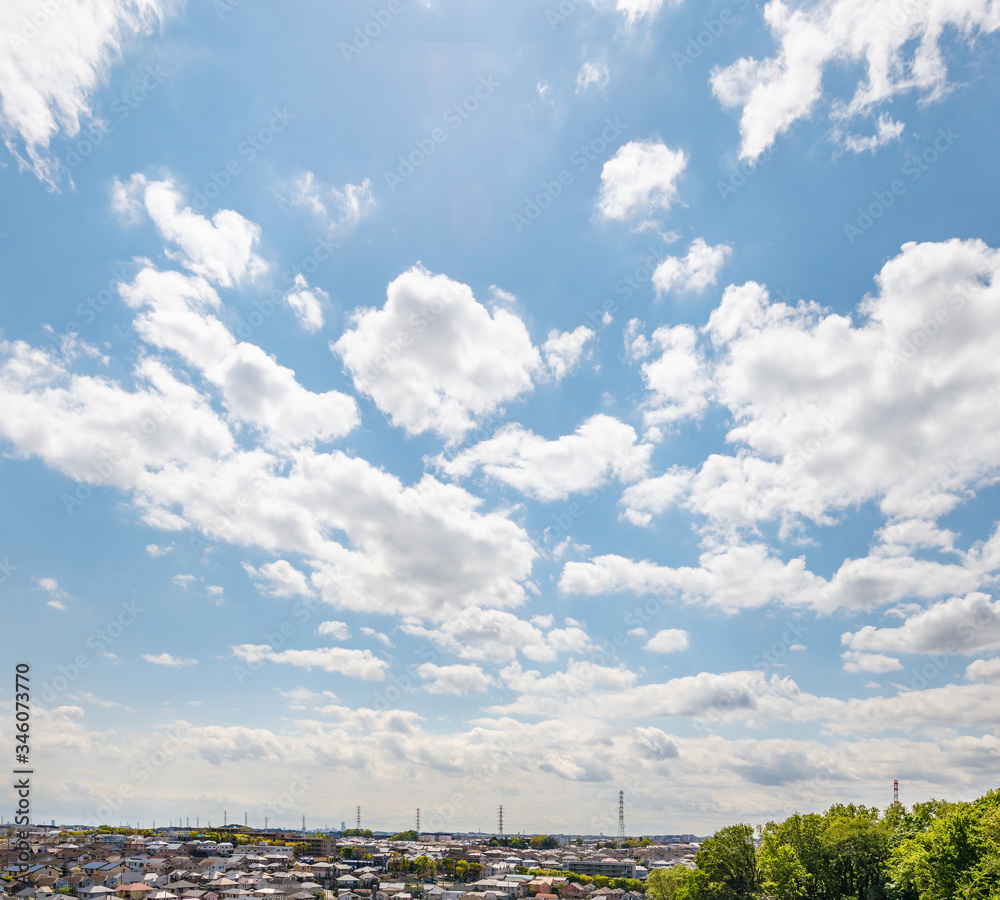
(431, 404)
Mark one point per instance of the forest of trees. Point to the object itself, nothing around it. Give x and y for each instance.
(935, 851)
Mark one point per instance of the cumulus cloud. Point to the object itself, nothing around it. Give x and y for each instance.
(176, 313)
(222, 249)
(307, 304)
(334, 629)
(694, 272)
(669, 640)
(433, 358)
(601, 448)
(52, 58)
(900, 50)
(876, 418)
(562, 349)
(984, 670)
(640, 180)
(678, 379)
(877, 663)
(473, 633)
(280, 579)
(959, 625)
(361, 664)
(456, 679)
(167, 659)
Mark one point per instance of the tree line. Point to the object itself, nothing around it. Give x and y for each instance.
(934, 851)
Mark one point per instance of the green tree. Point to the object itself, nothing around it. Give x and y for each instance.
(729, 861)
(410, 835)
(544, 842)
(518, 843)
(667, 884)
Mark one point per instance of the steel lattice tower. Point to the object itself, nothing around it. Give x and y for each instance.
(621, 815)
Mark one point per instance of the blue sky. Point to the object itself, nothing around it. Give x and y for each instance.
(510, 405)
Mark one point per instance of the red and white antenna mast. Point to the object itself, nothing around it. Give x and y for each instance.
(895, 792)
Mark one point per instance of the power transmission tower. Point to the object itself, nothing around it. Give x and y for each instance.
(359, 818)
(500, 821)
(418, 823)
(621, 815)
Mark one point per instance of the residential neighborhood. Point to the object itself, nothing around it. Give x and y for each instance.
(241, 864)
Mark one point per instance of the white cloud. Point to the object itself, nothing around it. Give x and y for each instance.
(473, 633)
(562, 349)
(340, 208)
(694, 272)
(634, 10)
(156, 550)
(166, 659)
(592, 73)
(984, 670)
(959, 625)
(50, 586)
(655, 495)
(886, 130)
(88, 697)
(337, 630)
(456, 679)
(669, 640)
(602, 447)
(360, 664)
(900, 50)
(433, 358)
(739, 576)
(877, 418)
(174, 314)
(183, 580)
(283, 579)
(378, 635)
(877, 663)
(678, 380)
(640, 180)
(221, 250)
(307, 304)
(53, 56)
